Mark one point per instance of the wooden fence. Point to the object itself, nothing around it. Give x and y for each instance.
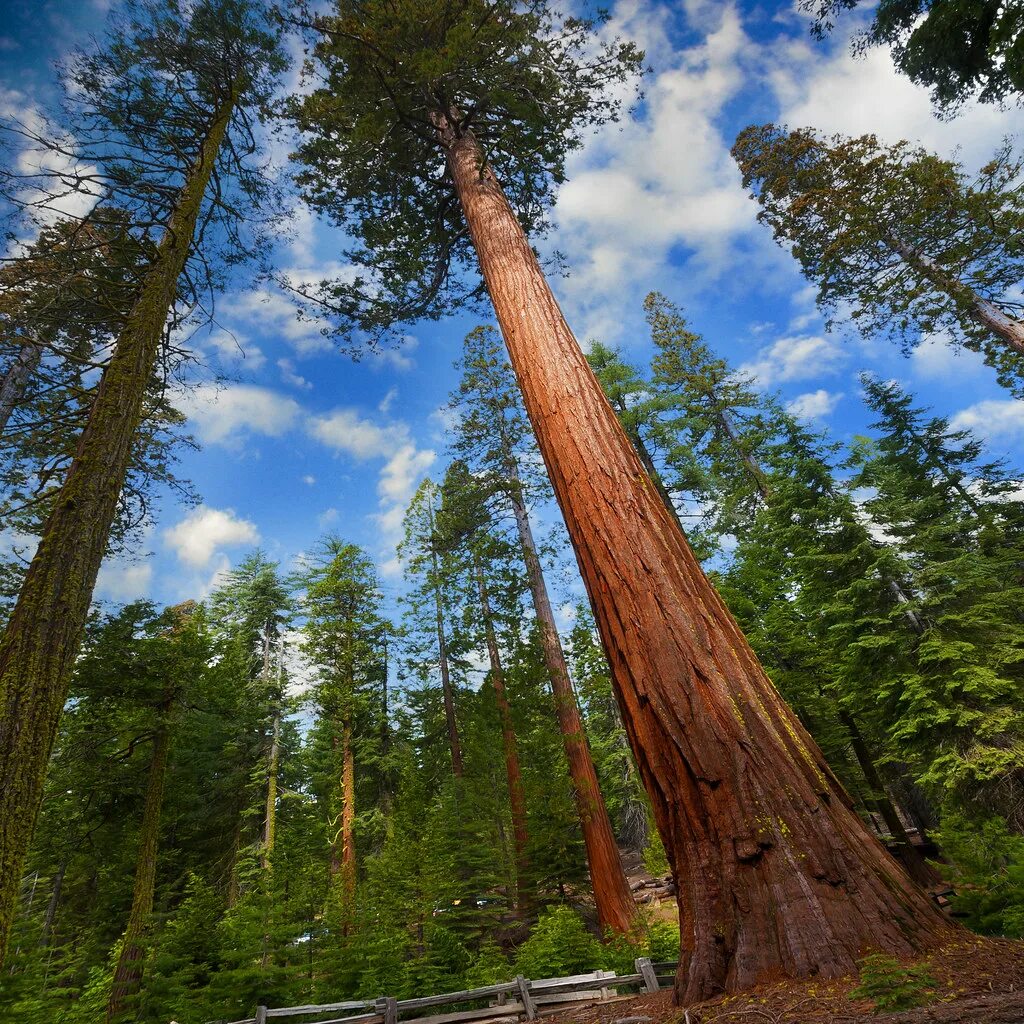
(510, 999)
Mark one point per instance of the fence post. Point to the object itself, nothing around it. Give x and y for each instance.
(646, 968)
(524, 994)
(604, 989)
(261, 1014)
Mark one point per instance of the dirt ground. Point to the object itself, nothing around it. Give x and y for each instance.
(980, 981)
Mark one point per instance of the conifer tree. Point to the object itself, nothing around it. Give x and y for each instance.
(343, 631)
(952, 698)
(174, 84)
(493, 435)
(421, 111)
(422, 551)
(914, 245)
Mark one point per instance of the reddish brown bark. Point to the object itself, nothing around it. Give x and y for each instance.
(775, 872)
(348, 816)
(616, 908)
(516, 796)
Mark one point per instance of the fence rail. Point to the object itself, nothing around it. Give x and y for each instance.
(512, 999)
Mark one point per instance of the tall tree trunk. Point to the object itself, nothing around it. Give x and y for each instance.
(128, 972)
(655, 477)
(43, 634)
(917, 867)
(347, 860)
(16, 378)
(270, 812)
(51, 907)
(516, 796)
(1008, 330)
(442, 654)
(775, 871)
(616, 908)
(270, 807)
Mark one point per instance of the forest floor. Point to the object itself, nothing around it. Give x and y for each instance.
(980, 981)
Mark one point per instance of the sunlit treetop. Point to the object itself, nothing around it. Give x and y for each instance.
(527, 82)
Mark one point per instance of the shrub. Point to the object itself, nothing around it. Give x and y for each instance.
(891, 986)
(559, 945)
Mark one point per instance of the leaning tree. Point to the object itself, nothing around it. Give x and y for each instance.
(161, 123)
(436, 135)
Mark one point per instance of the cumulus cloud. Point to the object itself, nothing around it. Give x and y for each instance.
(994, 418)
(814, 404)
(937, 358)
(204, 530)
(795, 358)
(225, 415)
(348, 432)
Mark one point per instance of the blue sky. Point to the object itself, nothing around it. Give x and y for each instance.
(302, 439)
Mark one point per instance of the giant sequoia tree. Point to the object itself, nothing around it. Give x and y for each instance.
(908, 240)
(437, 134)
(156, 108)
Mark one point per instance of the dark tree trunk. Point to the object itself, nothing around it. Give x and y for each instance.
(616, 908)
(516, 796)
(43, 634)
(128, 972)
(16, 378)
(442, 654)
(917, 867)
(776, 874)
(51, 907)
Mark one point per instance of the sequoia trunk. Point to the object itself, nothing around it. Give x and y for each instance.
(43, 634)
(128, 973)
(516, 796)
(616, 908)
(775, 872)
(348, 821)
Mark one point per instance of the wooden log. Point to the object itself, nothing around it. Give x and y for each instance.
(294, 1011)
(524, 994)
(511, 1010)
(456, 997)
(646, 968)
(363, 1018)
(666, 966)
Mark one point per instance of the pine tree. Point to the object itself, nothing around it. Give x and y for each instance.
(952, 697)
(210, 68)
(492, 435)
(343, 630)
(907, 239)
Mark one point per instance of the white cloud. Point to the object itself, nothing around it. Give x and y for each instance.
(385, 403)
(936, 358)
(204, 530)
(993, 418)
(124, 581)
(346, 431)
(328, 516)
(795, 358)
(401, 474)
(814, 404)
(225, 415)
(289, 376)
(309, 479)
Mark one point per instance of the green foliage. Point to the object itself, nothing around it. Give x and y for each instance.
(987, 872)
(961, 49)
(905, 243)
(527, 83)
(891, 986)
(559, 945)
